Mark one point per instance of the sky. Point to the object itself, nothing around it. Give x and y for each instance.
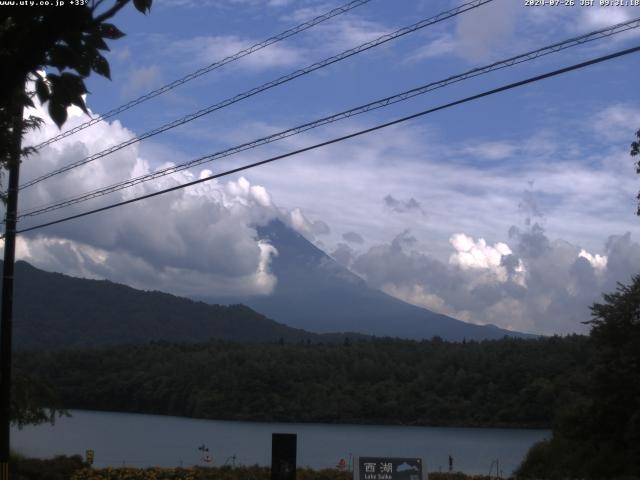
(517, 209)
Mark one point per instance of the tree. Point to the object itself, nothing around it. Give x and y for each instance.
(70, 40)
(615, 388)
(598, 436)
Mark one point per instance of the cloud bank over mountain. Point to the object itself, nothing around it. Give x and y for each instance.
(190, 242)
(532, 283)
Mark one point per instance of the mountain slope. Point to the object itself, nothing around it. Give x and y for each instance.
(317, 294)
(52, 310)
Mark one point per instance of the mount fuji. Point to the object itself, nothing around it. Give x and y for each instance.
(317, 294)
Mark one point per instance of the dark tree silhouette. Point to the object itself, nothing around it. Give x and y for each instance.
(70, 40)
(597, 435)
(34, 38)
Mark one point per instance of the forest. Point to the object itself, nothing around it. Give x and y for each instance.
(506, 383)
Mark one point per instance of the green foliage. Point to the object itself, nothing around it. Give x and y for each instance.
(510, 382)
(598, 434)
(615, 389)
(69, 40)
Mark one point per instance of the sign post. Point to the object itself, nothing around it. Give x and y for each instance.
(389, 468)
(283, 456)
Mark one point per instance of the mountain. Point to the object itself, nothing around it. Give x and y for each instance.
(316, 293)
(313, 294)
(53, 311)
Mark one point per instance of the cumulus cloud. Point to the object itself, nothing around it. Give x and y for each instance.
(477, 255)
(537, 284)
(195, 241)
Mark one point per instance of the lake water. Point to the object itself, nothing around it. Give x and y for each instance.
(146, 440)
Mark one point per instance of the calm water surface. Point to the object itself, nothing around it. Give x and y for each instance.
(145, 440)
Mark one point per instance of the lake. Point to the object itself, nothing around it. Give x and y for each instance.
(145, 440)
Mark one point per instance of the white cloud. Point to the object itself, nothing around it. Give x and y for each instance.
(342, 32)
(598, 262)
(600, 17)
(204, 50)
(195, 241)
(478, 255)
(306, 227)
(444, 45)
(617, 122)
(352, 31)
(575, 189)
(548, 290)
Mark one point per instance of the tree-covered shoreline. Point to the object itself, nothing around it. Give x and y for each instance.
(505, 383)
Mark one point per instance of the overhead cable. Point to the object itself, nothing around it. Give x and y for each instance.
(342, 138)
(556, 47)
(202, 71)
(266, 86)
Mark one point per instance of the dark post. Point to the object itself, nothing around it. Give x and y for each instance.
(6, 319)
(283, 456)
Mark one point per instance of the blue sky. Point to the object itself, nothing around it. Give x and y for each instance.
(523, 202)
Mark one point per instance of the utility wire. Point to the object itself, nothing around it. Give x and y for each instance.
(202, 71)
(598, 34)
(343, 138)
(266, 86)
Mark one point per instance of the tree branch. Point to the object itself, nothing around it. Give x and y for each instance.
(111, 12)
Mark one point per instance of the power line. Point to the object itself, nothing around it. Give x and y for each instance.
(343, 138)
(202, 71)
(598, 34)
(266, 86)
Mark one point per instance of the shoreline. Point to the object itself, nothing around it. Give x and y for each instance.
(337, 423)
